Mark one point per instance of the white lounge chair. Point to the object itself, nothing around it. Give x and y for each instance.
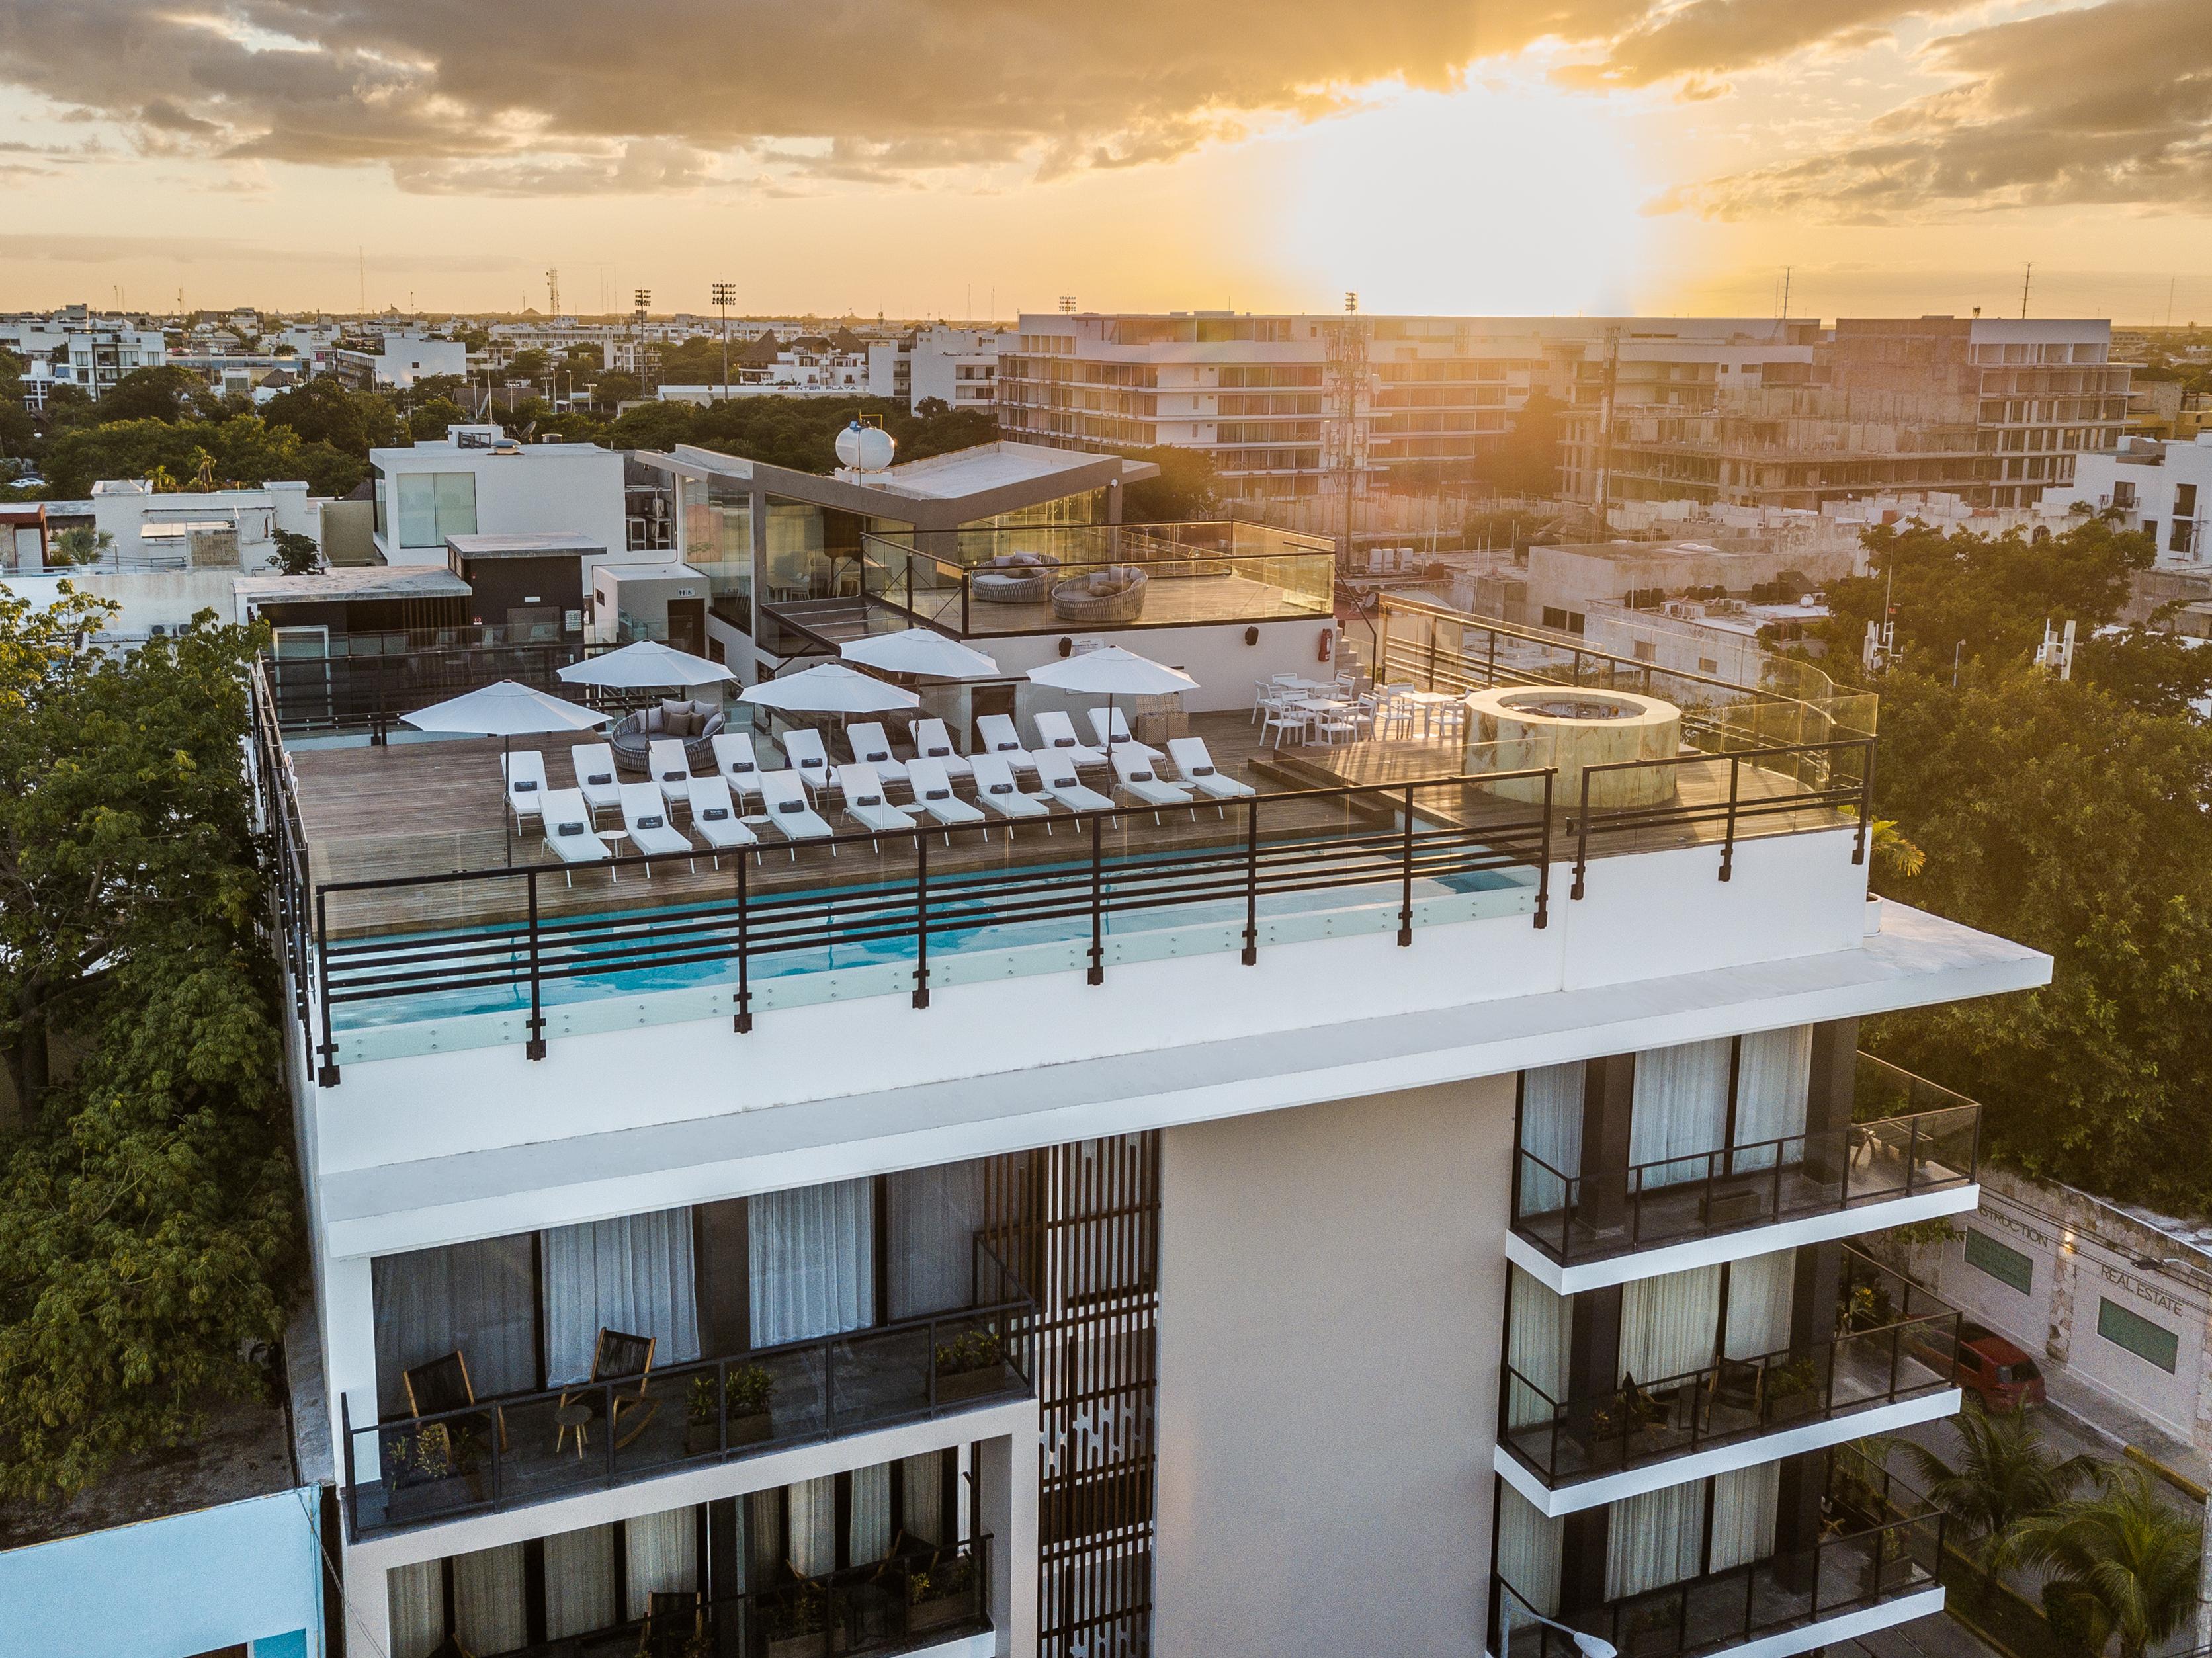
(933, 797)
(526, 788)
(865, 805)
(594, 765)
(1137, 777)
(737, 764)
(803, 746)
(1198, 771)
(715, 816)
(1056, 731)
(1056, 775)
(568, 831)
(871, 748)
(795, 820)
(933, 742)
(999, 737)
(1122, 736)
(995, 788)
(645, 819)
(671, 769)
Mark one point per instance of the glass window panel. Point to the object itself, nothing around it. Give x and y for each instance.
(2006, 1264)
(2132, 1331)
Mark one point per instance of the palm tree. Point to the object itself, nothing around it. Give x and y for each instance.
(2005, 1475)
(2123, 1562)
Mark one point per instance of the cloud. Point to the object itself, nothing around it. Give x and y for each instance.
(192, 250)
(2109, 104)
(566, 98)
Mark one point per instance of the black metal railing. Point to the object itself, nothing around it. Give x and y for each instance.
(343, 692)
(1382, 838)
(918, 1595)
(1881, 1542)
(513, 1449)
(1576, 1217)
(286, 840)
(1892, 1341)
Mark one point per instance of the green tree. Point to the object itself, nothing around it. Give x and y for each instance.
(297, 555)
(427, 422)
(147, 1224)
(243, 450)
(79, 545)
(161, 393)
(18, 431)
(323, 410)
(1186, 490)
(1983, 597)
(2004, 1476)
(2123, 1563)
(2153, 672)
(1526, 460)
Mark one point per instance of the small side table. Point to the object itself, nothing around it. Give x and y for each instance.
(614, 837)
(572, 1419)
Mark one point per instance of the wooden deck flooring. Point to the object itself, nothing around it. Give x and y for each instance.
(419, 809)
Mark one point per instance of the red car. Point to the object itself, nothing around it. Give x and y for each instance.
(1993, 1367)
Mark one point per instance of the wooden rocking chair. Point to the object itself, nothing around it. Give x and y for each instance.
(618, 1356)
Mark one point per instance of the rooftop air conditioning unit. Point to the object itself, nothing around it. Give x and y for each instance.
(507, 446)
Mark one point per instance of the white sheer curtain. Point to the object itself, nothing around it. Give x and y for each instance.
(488, 1611)
(931, 1216)
(1744, 1504)
(871, 1514)
(1655, 1539)
(632, 1274)
(1760, 1291)
(921, 1497)
(1668, 1323)
(1773, 1075)
(764, 1550)
(580, 1581)
(813, 1261)
(663, 1553)
(1681, 1108)
(813, 1525)
(416, 1596)
(1536, 1338)
(477, 1299)
(1551, 1129)
(1528, 1550)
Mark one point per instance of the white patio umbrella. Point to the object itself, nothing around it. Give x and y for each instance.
(921, 651)
(648, 663)
(506, 711)
(829, 688)
(1113, 672)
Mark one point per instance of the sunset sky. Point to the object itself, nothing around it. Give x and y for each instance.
(976, 157)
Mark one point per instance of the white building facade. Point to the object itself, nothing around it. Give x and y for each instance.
(89, 353)
(1350, 1255)
(480, 482)
(2162, 488)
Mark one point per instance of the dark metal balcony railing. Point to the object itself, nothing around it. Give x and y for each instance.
(921, 1596)
(1891, 1343)
(517, 1448)
(1882, 1543)
(1575, 1217)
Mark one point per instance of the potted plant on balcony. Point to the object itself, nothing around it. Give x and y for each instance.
(1866, 1308)
(1793, 1390)
(943, 1593)
(971, 1366)
(794, 1621)
(744, 1406)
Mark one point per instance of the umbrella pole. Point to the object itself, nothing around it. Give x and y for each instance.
(506, 805)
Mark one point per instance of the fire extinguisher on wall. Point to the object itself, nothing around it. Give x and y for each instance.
(1327, 643)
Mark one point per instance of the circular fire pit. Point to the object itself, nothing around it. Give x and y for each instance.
(1525, 727)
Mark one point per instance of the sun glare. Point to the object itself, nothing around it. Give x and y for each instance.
(1511, 197)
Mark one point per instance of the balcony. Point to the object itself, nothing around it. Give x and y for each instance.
(509, 1451)
(1890, 1345)
(919, 1599)
(1875, 1562)
(1909, 1139)
(1226, 574)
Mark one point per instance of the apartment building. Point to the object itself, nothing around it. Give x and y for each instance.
(76, 349)
(958, 367)
(1992, 411)
(2161, 488)
(1343, 1211)
(1283, 402)
(400, 357)
(479, 481)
